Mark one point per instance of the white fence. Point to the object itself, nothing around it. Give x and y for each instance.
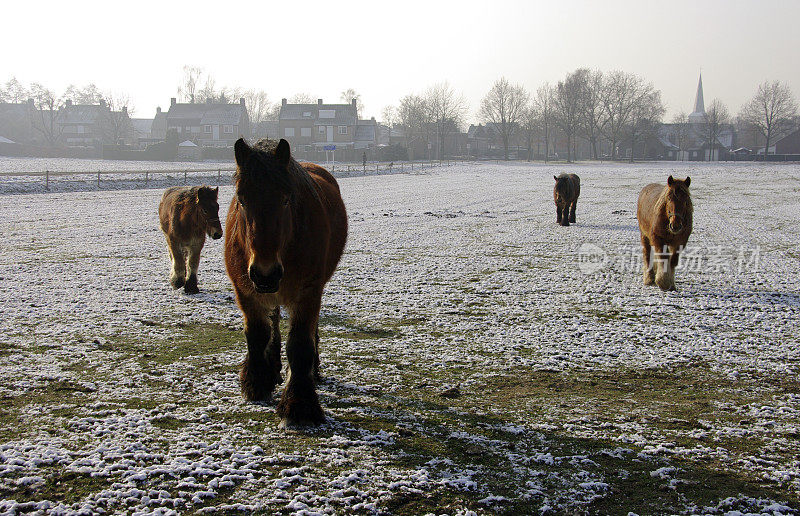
(146, 175)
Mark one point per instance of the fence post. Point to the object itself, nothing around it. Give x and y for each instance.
(184, 176)
(98, 179)
(47, 180)
(219, 175)
(146, 174)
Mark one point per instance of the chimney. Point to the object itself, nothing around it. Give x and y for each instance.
(102, 102)
(172, 101)
(158, 110)
(319, 102)
(241, 101)
(283, 102)
(68, 102)
(125, 110)
(30, 103)
(355, 104)
(209, 100)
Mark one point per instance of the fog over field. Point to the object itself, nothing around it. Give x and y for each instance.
(477, 357)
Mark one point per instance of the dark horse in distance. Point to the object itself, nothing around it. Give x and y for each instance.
(285, 233)
(187, 215)
(565, 194)
(665, 223)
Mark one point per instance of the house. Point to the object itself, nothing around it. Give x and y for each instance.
(309, 128)
(16, 123)
(158, 129)
(92, 125)
(209, 124)
(789, 144)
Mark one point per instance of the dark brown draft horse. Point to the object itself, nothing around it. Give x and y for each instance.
(565, 194)
(665, 223)
(286, 231)
(187, 214)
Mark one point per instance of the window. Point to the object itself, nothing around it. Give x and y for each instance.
(305, 131)
(207, 129)
(227, 129)
(327, 113)
(342, 129)
(307, 114)
(322, 129)
(289, 131)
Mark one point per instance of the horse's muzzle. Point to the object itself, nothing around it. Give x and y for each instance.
(266, 283)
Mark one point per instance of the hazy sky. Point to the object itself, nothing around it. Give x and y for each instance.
(386, 50)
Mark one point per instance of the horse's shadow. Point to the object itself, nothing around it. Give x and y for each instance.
(217, 298)
(608, 227)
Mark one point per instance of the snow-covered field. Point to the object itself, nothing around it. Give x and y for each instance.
(477, 356)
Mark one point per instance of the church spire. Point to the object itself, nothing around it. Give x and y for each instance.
(699, 113)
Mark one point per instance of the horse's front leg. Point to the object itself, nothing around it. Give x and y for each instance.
(648, 270)
(572, 211)
(260, 370)
(665, 274)
(299, 405)
(177, 275)
(192, 262)
(558, 214)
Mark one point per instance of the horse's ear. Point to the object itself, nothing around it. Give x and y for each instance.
(216, 193)
(282, 152)
(687, 181)
(554, 177)
(670, 180)
(241, 151)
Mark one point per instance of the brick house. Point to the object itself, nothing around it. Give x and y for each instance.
(209, 124)
(309, 128)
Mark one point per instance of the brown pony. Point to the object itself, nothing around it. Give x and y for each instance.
(286, 231)
(665, 223)
(187, 214)
(565, 194)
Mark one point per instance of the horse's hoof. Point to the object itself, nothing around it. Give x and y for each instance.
(176, 283)
(299, 424)
(191, 285)
(565, 224)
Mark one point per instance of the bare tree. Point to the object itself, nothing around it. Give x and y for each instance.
(115, 121)
(45, 112)
(680, 124)
(190, 83)
(715, 118)
(622, 94)
(389, 115)
(302, 98)
(591, 112)
(14, 92)
(529, 126)
(770, 110)
(347, 97)
(543, 105)
(645, 117)
(88, 95)
(566, 102)
(413, 115)
(447, 111)
(504, 107)
(259, 107)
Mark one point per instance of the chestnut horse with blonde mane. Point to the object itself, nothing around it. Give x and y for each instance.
(285, 233)
(665, 223)
(187, 214)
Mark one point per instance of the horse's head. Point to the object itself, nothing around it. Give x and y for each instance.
(209, 208)
(264, 193)
(678, 204)
(561, 188)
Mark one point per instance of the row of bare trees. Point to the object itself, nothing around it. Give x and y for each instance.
(430, 117)
(585, 104)
(46, 105)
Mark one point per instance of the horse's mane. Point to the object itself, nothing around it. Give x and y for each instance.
(293, 181)
(682, 192)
